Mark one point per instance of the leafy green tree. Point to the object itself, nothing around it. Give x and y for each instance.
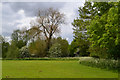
(13, 52)
(102, 7)
(64, 46)
(86, 13)
(104, 32)
(18, 39)
(73, 47)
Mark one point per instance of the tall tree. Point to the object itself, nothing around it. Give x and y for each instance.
(86, 13)
(104, 33)
(47, 24)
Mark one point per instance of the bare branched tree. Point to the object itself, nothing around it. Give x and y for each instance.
(47, 23)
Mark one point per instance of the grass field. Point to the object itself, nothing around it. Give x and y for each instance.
(51, 69)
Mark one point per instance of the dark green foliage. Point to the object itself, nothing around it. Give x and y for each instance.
(104, 34)
(86, 13)
(64, 47)
(21, 44)
(79, 48)
(102, 7)
(98, 52)
(72, 48)
(80, 44)
(4, 46)
(13, 52)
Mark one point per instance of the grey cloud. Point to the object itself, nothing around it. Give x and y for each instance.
(10, 9)
(8, 28)
(30, 8)
(8, 16)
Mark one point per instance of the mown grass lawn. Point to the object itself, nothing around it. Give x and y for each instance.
(51, 69)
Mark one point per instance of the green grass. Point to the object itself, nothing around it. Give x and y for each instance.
(51, 69)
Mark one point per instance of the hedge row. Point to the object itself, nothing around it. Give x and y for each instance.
(100, 63)
(46, 58)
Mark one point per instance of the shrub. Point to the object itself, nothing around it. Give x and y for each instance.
(100, 63)
(37, 48)
(55, 50)
(64, 45)
(24, 52)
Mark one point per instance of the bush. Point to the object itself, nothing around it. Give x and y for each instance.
(100, 63)
(24, 52)
(55, 50)
(37, 48)
(64, 45)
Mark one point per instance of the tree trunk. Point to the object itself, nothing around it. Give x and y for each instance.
(48, 44)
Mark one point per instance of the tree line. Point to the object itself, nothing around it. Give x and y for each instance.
(96, 33)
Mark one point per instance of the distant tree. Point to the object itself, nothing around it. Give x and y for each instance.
(47, 24)
(13, 52)
(18, 39)
(73, 47)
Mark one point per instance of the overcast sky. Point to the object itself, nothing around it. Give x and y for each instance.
(16, 15)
